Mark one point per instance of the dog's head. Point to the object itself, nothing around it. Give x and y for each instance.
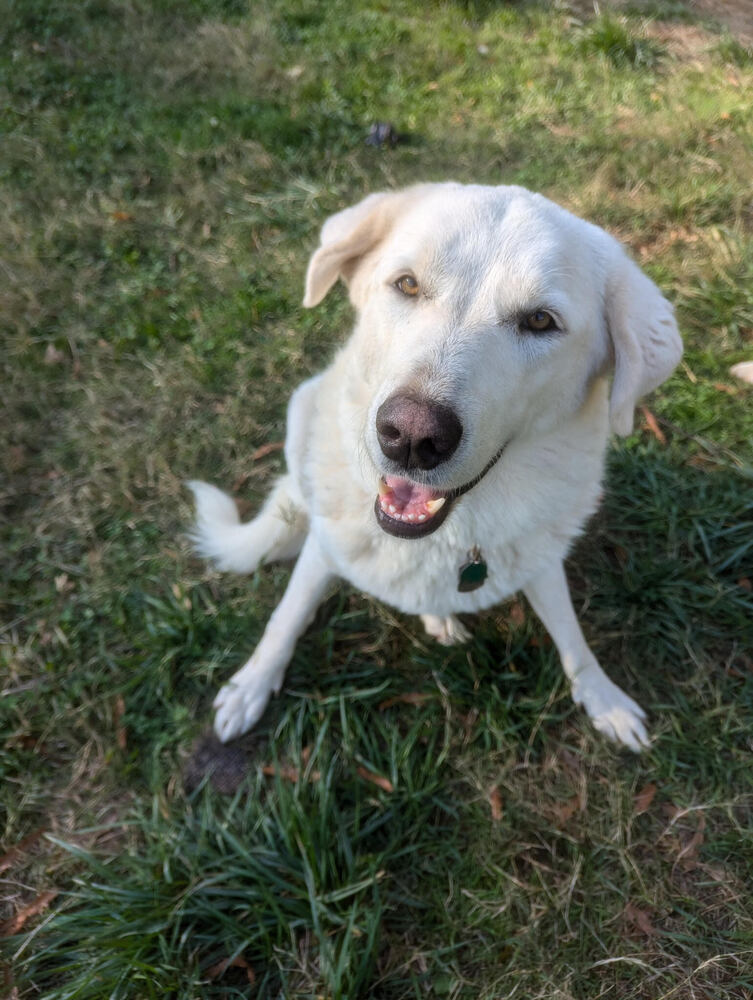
(484, 315)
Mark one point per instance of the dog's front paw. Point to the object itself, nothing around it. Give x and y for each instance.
(239, 706)
(611, 711)
(448, 631)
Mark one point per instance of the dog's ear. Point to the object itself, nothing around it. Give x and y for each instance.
(645, 341)
(345, 238)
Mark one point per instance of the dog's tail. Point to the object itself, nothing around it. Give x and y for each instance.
(277, 532)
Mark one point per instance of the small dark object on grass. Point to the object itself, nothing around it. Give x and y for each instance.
(225, 765)
(382, 134)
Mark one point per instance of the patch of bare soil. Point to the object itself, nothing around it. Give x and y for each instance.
(737, 15)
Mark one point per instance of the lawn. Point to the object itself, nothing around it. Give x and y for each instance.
(408, 821)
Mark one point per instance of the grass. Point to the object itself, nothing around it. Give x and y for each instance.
(415, 822)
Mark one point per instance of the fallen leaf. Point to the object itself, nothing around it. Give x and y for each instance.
(564, 811)
(640, 919)
(689, 852)
(117, 714)
(38, 905)
(218, 970)
(744, 371)
(745, 583)
(670, 810)
(8, 860)
(288, 773)
(267, 449)
(376, 779)
(63, 584)
(52, 356)
(121, 216)
(495, 804)
(729, 389)
(409, 698)
(643, 799)
(240, 481)
(516, 614)
(652, 425)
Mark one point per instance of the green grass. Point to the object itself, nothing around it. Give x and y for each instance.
(164, 170)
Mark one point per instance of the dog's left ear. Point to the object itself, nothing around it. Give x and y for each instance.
(645, 340)
(346, 237)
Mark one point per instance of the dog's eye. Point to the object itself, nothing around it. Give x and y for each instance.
(539, 322)
(407, 284)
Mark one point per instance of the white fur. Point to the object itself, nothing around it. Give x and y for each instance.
(483, 257)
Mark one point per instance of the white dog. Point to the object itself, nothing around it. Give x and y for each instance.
(455, 446)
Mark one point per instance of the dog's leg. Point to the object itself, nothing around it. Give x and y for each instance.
(241, 702)
(612, 711)
(277, 531)
(448, 631)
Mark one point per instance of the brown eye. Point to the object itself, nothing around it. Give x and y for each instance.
(539, 322)
(407, 284)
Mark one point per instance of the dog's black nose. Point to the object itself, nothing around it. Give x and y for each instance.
(417, 433)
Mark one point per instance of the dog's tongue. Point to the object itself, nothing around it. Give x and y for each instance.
(406, 501)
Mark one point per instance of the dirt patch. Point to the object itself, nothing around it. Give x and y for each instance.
(736, 15)
(685, 41)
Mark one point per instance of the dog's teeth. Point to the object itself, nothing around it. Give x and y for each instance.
(411, 517)
(434, 505)
(383, 487)
(422, 517)
(392, 508)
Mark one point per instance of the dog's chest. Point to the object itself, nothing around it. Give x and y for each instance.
(423, 576)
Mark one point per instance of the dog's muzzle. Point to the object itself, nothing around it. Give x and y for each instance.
(409, 510)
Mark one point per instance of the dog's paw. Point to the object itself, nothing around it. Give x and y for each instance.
(611, 711)
(239, 707)
(448, 631)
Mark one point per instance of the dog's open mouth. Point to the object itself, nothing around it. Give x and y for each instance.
(409, 510)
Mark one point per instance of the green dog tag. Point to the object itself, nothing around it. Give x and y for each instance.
(473, 573)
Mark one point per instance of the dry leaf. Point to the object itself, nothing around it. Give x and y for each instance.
(267, 449)
(409, 698)
(640, 919)
(743, 371)
(729, 389)
(218, 970)
(38, 905)
(652, 425)
(52, 356)
(121, 216)
(288, 773)
(564, 811)
(376, 779)
(63, 583)
(240, 482)
(670, 810)
(495, 803)
(117, 714)
(516, 614)
(689, 852)
(643, 799)
(8, 860)
(745, 583)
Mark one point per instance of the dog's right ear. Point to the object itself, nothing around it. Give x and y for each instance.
(345, 238)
